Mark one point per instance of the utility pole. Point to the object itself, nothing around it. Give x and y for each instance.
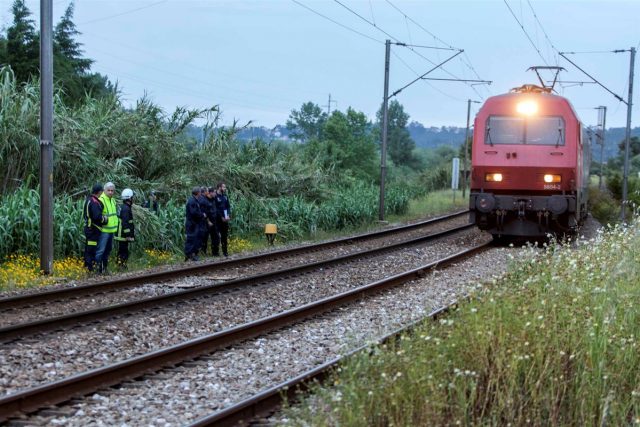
(329, 105)
(628, 135)
(385, 118)
(385, 108)
(602, 120)
(46, 136)
(466, 148)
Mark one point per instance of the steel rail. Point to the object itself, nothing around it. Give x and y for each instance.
(12, 332)
(114, 284)
(88, 382)
(268, 401)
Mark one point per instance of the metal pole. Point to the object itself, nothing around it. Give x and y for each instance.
(385, 118)
(46, 136)
(603, 111)
(464, 151)
(628, 135)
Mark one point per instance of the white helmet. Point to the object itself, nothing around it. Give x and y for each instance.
(127, 193)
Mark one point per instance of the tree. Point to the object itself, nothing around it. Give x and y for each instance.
(400, 146)
(65, 47)
(3, 50)
(307, 123)
(347, 145)
(23, 43)
(70, 68)
(634, 147)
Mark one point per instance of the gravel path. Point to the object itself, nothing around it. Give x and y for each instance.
(26, 363)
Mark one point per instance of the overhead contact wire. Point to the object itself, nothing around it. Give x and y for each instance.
(336, 22)
(525, 33)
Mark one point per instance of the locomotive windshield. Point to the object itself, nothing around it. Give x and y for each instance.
(530, 130)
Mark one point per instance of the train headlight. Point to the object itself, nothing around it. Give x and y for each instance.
(493, 177)
(528, 108)
(549, 178)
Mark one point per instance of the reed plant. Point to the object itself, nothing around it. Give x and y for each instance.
(164, 231)
(553, 342)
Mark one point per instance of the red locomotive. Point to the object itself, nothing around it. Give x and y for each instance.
(530, 165)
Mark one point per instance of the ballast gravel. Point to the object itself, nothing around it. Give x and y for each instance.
(179, 396)
(218, 273)
(27, 363)
(196, 389)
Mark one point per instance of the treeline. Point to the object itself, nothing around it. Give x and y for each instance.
(20, 49)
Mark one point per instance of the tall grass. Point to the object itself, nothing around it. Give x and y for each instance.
(20, 219)
(555, 342)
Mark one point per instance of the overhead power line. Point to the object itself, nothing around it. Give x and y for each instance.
(336, 22)
(420, 26)
(366, 20)
(421, 76)
(398, 42)
(542, 28)
(123, 13)
(467, 63)
(618, 97)
(403, 62)
(525, 32)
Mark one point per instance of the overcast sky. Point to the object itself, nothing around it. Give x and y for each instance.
(260, 59)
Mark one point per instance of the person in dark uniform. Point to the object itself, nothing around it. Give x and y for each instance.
(152, 202)
(212, 230)
(93, 218)
(126, 232)
(205, 208)
(223, 216)
(193, 218)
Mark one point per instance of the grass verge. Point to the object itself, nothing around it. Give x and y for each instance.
(555, 342)
(23, 271)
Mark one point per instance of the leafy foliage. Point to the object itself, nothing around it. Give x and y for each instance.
(308, 123)
(400, 145)
(23, 47)
(347, 147)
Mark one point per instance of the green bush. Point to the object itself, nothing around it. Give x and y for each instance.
(603, 206)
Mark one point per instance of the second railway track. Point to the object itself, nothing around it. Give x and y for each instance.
(64, 294)
(61, 354)
(18, 323)
(89, 382)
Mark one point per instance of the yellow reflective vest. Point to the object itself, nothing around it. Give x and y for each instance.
(109, 211)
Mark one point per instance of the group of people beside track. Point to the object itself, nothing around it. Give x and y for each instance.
(104, 223)
(208, 213)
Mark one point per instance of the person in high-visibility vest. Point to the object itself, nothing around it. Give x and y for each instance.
(105, 244)
(92, 215)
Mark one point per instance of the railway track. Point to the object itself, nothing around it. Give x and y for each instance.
(26, 329)
(88, 382)
(267, 402)
(12, 303)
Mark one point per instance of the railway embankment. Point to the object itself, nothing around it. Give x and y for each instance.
(553, 341)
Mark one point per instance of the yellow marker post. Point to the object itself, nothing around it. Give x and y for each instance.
(270, 230)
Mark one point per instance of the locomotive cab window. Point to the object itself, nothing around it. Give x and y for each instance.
(529, 130)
